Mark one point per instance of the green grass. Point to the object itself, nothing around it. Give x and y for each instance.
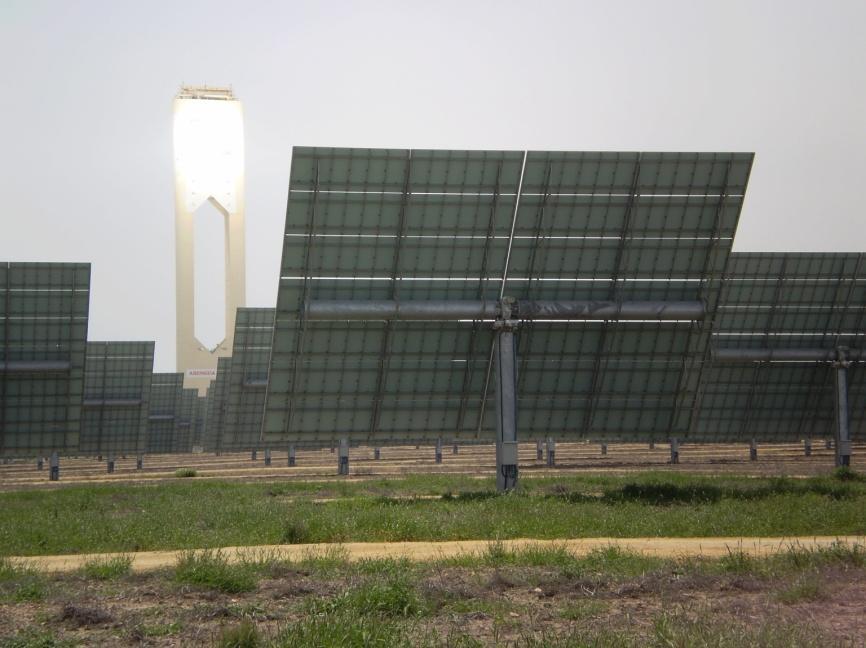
(19, 583)
(185, 472)
(107, 568)
(393, 596)
(195, 514)
(243, 635)
(344, 630)
(805, 588)
(160, 629)
(34, 638)
(211, 569)
(582, 610)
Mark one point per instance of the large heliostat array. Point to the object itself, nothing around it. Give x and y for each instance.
(407, 276)
(480, 295)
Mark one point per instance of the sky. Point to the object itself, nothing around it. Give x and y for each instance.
(86, 89)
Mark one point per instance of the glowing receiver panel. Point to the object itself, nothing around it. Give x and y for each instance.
(209, 185)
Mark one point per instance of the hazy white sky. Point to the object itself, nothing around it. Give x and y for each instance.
(86, 90)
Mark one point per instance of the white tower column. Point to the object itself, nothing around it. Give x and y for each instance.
(209, 184)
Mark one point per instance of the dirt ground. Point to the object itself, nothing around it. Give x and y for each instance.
(495, 606)
(475, 460)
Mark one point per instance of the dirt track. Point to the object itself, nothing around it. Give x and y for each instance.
(399, 461)
(663, 547)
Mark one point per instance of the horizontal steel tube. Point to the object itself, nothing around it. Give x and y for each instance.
(351, 309)
(35, 365)
(525, 310)
(116, 402)
(781, 355)
(610, 310)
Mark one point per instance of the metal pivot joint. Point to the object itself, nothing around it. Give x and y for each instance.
(505, 350)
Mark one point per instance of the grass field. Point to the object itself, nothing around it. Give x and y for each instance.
(190, 515)
(534, 597)
(531, 597)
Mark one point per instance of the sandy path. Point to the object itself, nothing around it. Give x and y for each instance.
(662, 547)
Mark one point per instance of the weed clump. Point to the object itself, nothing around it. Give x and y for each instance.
(392, 597)
(107, 568)
(845, 474)
(243, 635)
(185, 472)
(296, 531)
(211, 569)
(20, 583)
(804, 589)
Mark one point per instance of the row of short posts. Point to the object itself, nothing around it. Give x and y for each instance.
(343, 460)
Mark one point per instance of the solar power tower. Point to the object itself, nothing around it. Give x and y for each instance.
(116, 399)
(248, 380)
(447, 294)
(217, 401)
(43, 333)
(788, 351)
(166, 392)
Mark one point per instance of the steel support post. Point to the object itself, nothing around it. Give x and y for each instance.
(828, 444)
(454, 450)
(551, 452)
(377, 453)
(99, 457)
(254, 455)
(291, 460)
(652, 445)
(843, 437)
(506, 402)
(267, 456)
(139, 462)
(439, 451)
(807, 447)
(343, 459)
(603, 449)
(675, 451)
(539, 450)
(54, 467)
(39, 463)
(753, 450)
(110, 463)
